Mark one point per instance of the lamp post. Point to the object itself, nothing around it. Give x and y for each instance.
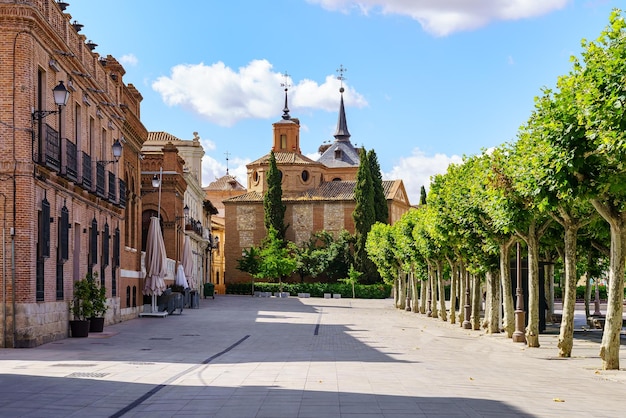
(156, 182)
(520, 317)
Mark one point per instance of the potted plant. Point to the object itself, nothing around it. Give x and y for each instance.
(97, 295)
(81, 307)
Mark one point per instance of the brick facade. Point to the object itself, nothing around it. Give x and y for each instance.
(317, 196)
(49, 161)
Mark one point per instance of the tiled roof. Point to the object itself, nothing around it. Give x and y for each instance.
(161, 137)
(285, 158)
(246, 197)
(331, 190)
(348, 155)
(226, 182)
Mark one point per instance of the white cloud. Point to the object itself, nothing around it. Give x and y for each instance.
(443, 17)
(129, 60)
(213, 169)
(416, 170)
(225, 96)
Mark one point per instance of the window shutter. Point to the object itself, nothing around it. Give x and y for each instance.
(116, 248)
(45, 228)
(93, 243)
(106, 237)
(64, 228)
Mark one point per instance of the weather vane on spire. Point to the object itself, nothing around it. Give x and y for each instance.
(286, 85)
(340, 77)
(227, 154)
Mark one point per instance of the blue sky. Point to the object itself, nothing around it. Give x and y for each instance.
(427, 81)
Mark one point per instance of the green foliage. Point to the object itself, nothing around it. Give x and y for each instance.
(274, 215)
(361, 291)
(364, 217)
(97, 295)
(276, 258)
(81, 305)
(337, 253)
(311, 260)
(381, 210)
(352, 279)
(422, 195)
(249, 262)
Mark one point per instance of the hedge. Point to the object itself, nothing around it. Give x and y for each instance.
(362, 291)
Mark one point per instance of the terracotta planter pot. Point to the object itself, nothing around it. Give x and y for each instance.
(79, 329)
(96, 324)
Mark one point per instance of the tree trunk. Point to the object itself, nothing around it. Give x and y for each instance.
(453, 283)
(402, 287)
(414, 291)
(492, 303)
(476, 301)
(609, 349)
(566, 334)
(507, 291)
(423, 296)
(532, 242)
(442, 292)
(462, 283)
(432, 277)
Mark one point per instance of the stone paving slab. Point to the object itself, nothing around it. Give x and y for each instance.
(241, 357)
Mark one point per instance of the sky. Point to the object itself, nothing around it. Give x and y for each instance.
(426, 81)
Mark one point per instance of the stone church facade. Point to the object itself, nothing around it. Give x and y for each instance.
(319, 195)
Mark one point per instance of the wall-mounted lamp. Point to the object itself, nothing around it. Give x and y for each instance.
(185, 213)
(117, 153)
(61, 95)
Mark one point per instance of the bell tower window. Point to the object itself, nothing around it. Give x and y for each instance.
(283, 141)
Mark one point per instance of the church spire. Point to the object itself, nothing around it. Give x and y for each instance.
(342, 133)
(286, 85)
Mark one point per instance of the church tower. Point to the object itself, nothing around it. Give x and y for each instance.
(286, 132)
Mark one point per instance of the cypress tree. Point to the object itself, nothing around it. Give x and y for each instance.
(423, 196)
(274, 215)
(364, 217)
(380, 201)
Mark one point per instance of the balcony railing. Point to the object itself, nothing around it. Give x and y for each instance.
(86, 180)
(71, 168)
(112, 188)
(100, 180)
(52, 149)
(122, 202)
(107, 185)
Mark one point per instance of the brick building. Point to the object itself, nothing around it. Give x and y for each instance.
(217, 191)
(184, 209)
(70, 205)
(319, 195)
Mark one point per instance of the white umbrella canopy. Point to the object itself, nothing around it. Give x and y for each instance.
(156, 262)
(187, 263)
(181, 279)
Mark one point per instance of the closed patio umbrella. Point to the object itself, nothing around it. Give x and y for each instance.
(187, 263)
(156, 263)
(181, 278)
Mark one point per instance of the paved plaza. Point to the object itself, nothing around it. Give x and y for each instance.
(240, 357)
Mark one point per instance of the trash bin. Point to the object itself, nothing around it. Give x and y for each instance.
(209, 289)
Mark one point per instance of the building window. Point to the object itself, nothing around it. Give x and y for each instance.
(255, 176)
(337, 154)
(283, 141)
(305, 176)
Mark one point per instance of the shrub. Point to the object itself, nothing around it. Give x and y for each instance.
(362, 291)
